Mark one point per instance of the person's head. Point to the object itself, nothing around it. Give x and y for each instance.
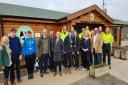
(86, 34)
(100, 29)
(87, 28)
(72, 29)
(13, 32)
(64, 28)
(107, 30)
(57, 34)
(75, 33)
(83, 30)
(44, 32)
(4, 41)
(69, 33)
(95, 30)
(51, 33)
(29, 34)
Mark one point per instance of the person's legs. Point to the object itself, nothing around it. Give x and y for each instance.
(88, 59)
(6, 75)
(12, 70)
(91, 58)
(95, 58)
(28, 65)
(108, 54)
(55, 68)
(69, 61)
(76, 58)
(66, 62)
(85, 60)
(82, 58)
(59, 64)
(99, 58)
(12, 73)
(41, 65)
(32, 64)
(104, 53)
(45, 63)
(18, 68)
(51, 63)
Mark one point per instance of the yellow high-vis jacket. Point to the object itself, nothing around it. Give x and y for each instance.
(108, 38)
(63, 35)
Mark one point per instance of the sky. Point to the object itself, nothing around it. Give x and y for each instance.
(117, 9)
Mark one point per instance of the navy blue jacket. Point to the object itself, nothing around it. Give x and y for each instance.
(86, 44)
(68, 46)
(15, 45)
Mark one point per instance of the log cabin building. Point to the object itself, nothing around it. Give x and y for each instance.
(36, 19)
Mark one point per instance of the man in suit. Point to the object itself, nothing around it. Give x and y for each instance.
(44, 51)
(52, 39)
(68, 48)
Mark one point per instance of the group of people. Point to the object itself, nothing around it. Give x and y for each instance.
(67, 48)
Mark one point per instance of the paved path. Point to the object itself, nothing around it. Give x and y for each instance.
(119, 70)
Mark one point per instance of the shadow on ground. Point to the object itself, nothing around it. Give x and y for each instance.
(104, 80)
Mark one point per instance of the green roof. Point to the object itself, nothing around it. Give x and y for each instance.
(120, 22)
(23, 11)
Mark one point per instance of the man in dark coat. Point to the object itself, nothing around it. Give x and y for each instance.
(52, 40)
(68, 49)
(57, 53)
(15, 46)
(76, 49)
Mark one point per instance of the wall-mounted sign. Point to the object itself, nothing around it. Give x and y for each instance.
(37, 35)
(92, 17)
(22, 31)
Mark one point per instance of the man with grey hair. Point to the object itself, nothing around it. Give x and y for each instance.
(44, 51)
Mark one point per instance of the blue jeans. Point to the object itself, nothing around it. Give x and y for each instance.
(43, 62)
(97, 58)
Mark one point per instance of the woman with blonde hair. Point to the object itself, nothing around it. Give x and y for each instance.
(86, 48)
(5, 58)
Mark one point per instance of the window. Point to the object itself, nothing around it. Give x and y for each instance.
(114, 33)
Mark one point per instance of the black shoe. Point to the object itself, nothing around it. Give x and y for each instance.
(29, 76)
(13, 83)
(46, 72)
(60, 73)
(41, 75)
(19, 80)
(55, 74)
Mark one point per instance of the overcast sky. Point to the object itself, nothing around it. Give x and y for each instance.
(116, 8)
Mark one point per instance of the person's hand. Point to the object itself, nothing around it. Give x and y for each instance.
(77, 52)
(83, 49)
(20, 57)
(2, 68)
(64, 52)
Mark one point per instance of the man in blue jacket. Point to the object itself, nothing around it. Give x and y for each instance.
(15, 46)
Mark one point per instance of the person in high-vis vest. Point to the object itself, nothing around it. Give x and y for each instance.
(107, 45)
(64, 33)
(88, 30)
(81, 34)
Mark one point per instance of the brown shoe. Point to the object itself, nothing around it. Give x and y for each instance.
(60, 73)
(41, 75)
(66, 71)
(5, 81)
(70, 71)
